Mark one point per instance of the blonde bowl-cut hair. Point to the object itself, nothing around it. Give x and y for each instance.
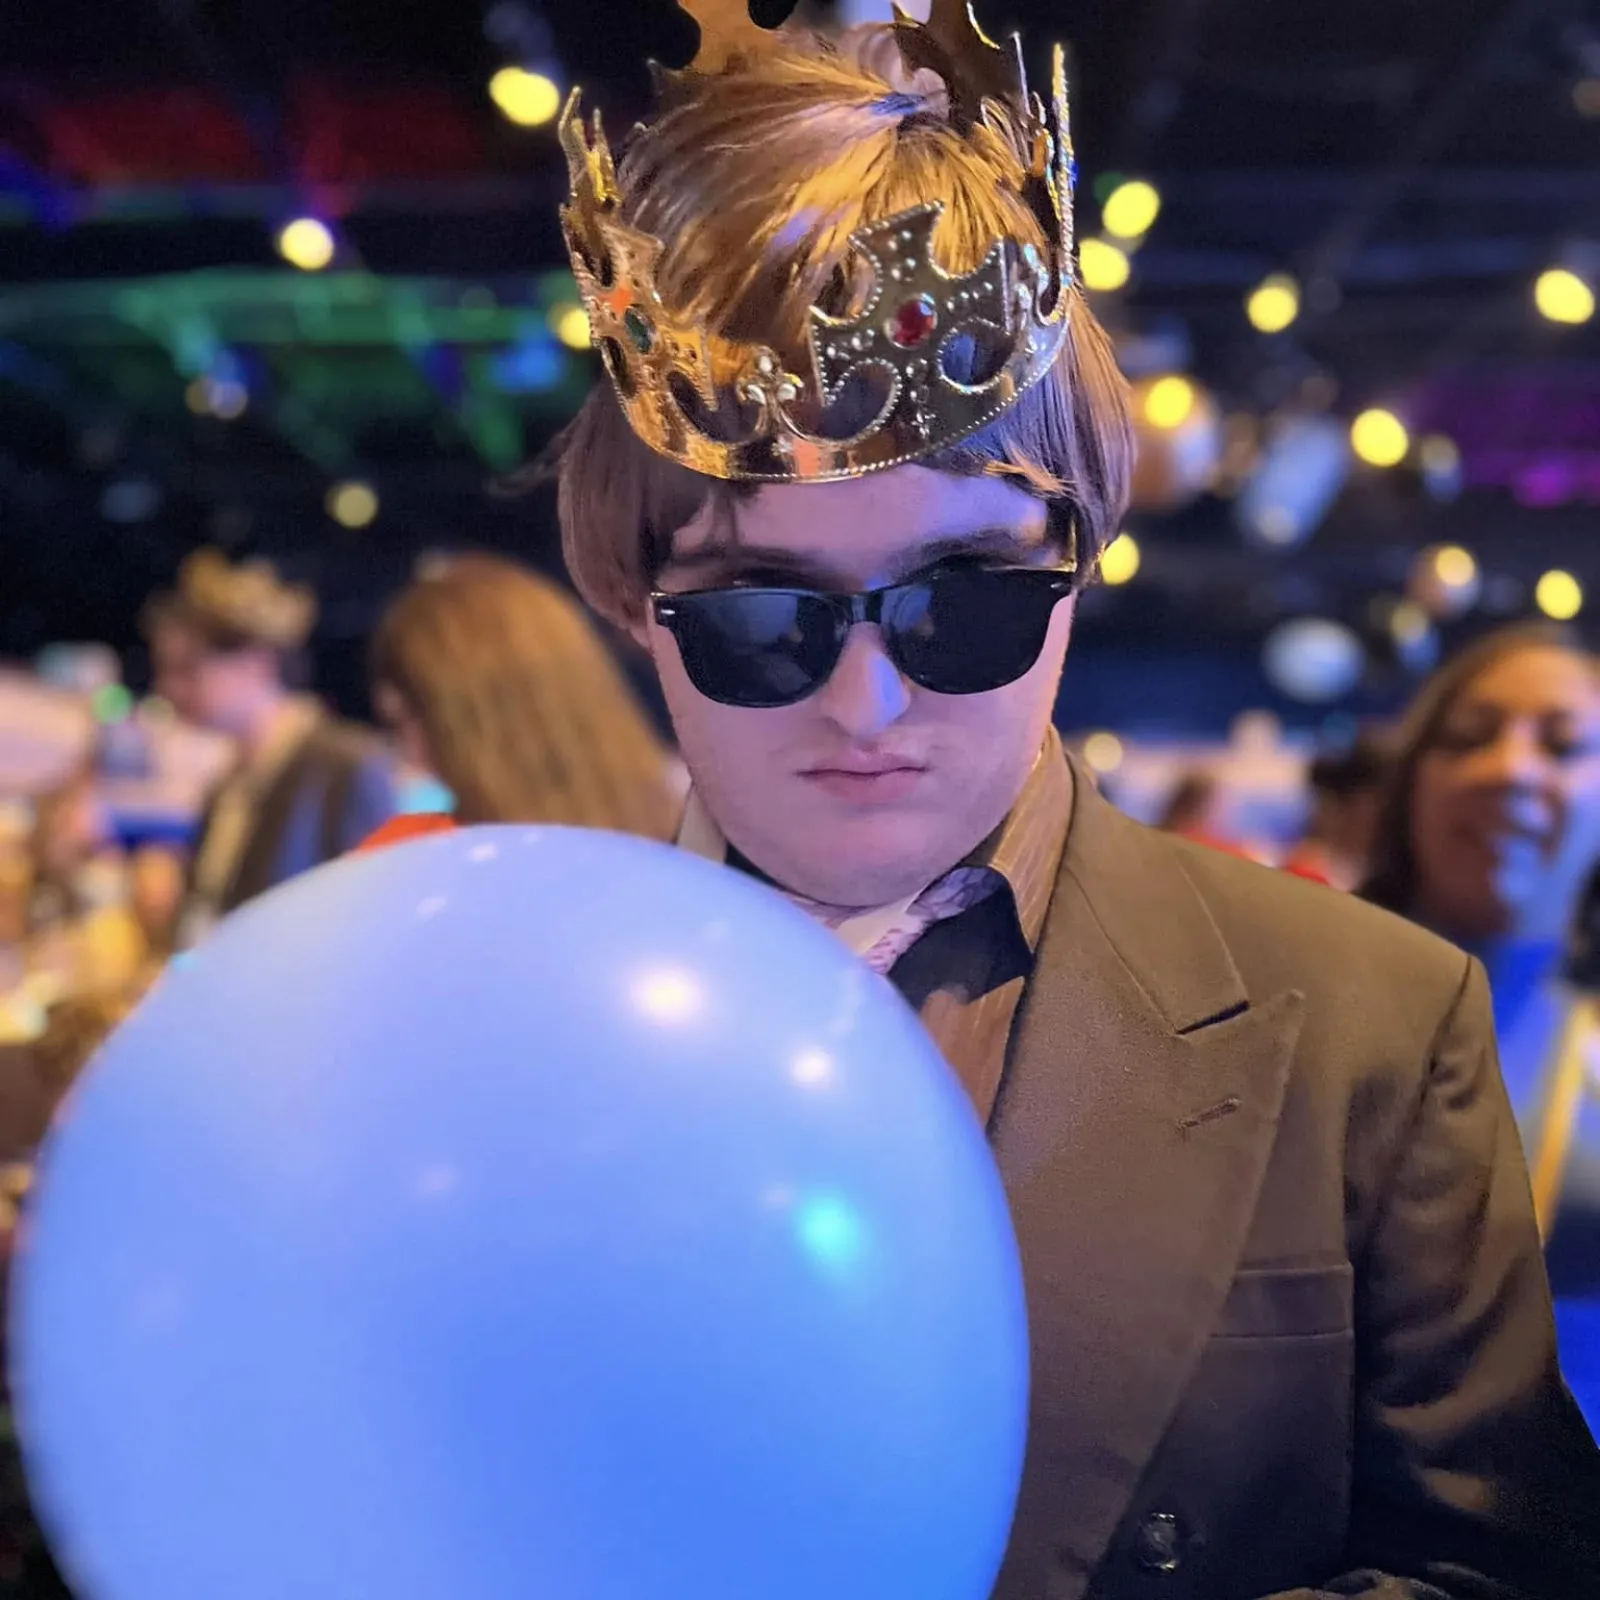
(795, 148)
(525, 711)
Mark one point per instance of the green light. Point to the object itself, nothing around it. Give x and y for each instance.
(112, 703)
(829, 1230)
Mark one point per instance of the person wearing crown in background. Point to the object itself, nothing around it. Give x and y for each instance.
(860, 447)
(305, 787)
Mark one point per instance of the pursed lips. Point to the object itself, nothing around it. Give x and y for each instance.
(860, 779)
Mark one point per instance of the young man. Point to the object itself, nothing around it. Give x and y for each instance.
(861, 444)
(305, 788)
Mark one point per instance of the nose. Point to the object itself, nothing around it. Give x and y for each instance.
(1517, 758)
(866, 693)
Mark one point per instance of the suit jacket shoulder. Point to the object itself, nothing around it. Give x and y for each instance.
(1359, 967)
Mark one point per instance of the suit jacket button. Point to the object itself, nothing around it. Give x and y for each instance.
(1160, 1542)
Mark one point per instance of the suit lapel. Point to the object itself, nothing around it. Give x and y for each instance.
(1133, 1130)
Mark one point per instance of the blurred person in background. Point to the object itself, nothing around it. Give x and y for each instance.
(1198, 810)
(1347, 789)
(1490, 835)
(84, 937)
(495, 682)
(305, 787)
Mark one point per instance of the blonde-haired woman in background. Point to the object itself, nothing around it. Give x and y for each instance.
(496, 682)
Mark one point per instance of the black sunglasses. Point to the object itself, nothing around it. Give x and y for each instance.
(954, 630)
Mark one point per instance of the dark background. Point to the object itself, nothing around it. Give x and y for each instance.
(1415, 162)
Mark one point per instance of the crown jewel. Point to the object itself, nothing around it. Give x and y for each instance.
(940, 354)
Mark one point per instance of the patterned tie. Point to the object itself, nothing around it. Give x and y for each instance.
(957, 891)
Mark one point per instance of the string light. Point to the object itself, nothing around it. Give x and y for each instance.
(1274, 305)
(353, 504)
(1131, 210)
(1103, 752)
(1170, 402)
(1104, 267)
(1379, 438)
(307, 244)
(1119, 561)
(1440, 454)
(1455, 567)
(528, 99)
(570, 324)
(1559, 595)
(1564, 297)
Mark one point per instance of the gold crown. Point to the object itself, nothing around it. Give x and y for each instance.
(248, 599)
(665, 365)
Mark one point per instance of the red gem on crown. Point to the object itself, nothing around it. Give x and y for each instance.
(913, 322)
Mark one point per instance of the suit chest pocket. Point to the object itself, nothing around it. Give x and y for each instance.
(1255, 1466)
(1289, 1303)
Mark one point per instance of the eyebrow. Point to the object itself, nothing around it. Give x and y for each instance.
(1001, 543)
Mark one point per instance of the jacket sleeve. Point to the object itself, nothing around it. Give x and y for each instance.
(369, 802)
(1475, 1475)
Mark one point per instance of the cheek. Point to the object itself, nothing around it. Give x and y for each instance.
(1583, 806)
(726, 738)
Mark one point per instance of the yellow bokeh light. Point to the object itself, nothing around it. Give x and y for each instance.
(571, 326)
(1564, 297)
(1275, 305)
(1132, 210)
(1119, 561)
(528, 99)
(1409, 623)
(1379, 438)
(198, 396)
(352, 504)
(1439, 454)
(1103, 266)
(1103, 752)
(1454, 567)
(1170, 402)
(1559, 595)
(307, 244)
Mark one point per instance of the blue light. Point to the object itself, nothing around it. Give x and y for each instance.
(531, 366)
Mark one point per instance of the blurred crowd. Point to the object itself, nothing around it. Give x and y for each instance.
(1476, 814)
(499, 700)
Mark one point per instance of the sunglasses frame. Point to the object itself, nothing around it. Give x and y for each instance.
(849, 611)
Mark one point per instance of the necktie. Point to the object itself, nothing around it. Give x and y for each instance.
(892, 934)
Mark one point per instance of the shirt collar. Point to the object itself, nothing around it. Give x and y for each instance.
(1025, 850)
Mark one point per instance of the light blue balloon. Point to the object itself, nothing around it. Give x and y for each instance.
(522, 1214)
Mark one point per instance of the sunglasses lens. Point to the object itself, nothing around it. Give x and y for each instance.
(970, 630)
(755, 647)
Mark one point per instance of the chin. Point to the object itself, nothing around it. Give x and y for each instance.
(870, 865)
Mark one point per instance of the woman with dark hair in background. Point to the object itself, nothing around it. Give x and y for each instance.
(1490, 835)
(496, 682)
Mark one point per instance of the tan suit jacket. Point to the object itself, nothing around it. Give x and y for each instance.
(1291, 1329)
